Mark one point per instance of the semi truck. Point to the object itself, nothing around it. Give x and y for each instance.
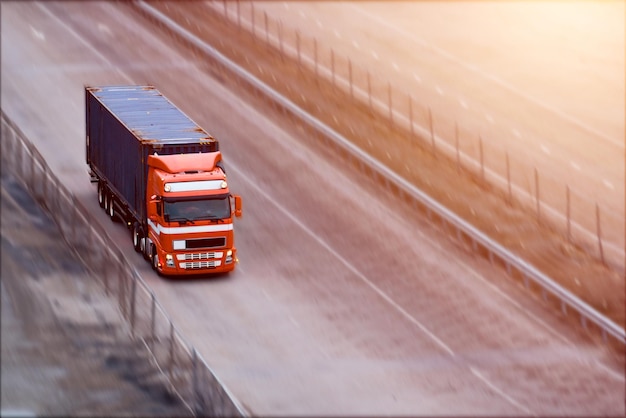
(163, 176)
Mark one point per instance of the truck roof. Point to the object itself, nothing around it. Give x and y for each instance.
(149, 115)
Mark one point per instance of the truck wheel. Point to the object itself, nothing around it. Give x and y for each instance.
(101, 194)
(111, 207)
(155, 260)
(145, 248)
(137, 236)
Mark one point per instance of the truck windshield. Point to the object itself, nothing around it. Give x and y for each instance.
(199, 209)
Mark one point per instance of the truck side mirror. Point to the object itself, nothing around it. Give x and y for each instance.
(153, 207)
(237, 206)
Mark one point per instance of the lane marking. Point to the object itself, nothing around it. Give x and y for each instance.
(439, 90)
(573, 164)
(545, 149)
(516, 133)
(608, 184)
(38, 34)
(375, 55)
(355, 44)
(83, 42)
(417, 78)
(463, 103)
(345, 262)
(293, 321)
(489, 118)
(302, 14)
(501, 393)
(395, 66)
(319, 23)
(336, 33)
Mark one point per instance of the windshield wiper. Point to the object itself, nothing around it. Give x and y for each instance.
(183, 220)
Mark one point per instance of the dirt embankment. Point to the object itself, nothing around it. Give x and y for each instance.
(486, 207)
(66, 349)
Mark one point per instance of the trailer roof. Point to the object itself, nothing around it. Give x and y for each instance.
(149, 115)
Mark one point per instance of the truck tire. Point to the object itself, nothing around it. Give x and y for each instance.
(145, 248)
(101, 194)
(137, 233)
(111, 207)
(155, 260)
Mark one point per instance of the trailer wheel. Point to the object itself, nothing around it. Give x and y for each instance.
(137, 236)
(111, 207)
(101, 194)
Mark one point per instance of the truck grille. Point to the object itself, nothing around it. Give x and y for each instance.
(197, 265)
(200, 256)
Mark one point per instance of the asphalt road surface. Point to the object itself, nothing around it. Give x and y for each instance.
(344, 302)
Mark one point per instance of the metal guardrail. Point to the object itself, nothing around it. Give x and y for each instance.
(188, 375)
(395, 183)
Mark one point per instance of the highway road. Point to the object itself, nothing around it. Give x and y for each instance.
(344, 302)
(543, 82)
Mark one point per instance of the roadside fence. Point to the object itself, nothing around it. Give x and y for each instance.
(187, 373)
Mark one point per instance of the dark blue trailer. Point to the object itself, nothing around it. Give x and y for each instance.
(125, 124)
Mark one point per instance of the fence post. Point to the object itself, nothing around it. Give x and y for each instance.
(567, 211)
(152, 321)
(599, 233)
(171, 363)
(198, 409)
(432, 131)
(350, 76)
(482, 158)
(238, 16)
(456, 144)
(133, 297)
(315, 57)
(267, 32)
(537, 195)
(390, 105)
(332, 65)
(369, 90)
(280, 40)
(411, 116)
(298, 47)
(508, 178)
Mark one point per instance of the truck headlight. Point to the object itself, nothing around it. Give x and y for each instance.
(229, 256)
(169, 260)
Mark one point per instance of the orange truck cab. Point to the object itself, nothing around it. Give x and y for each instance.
(163, 176)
